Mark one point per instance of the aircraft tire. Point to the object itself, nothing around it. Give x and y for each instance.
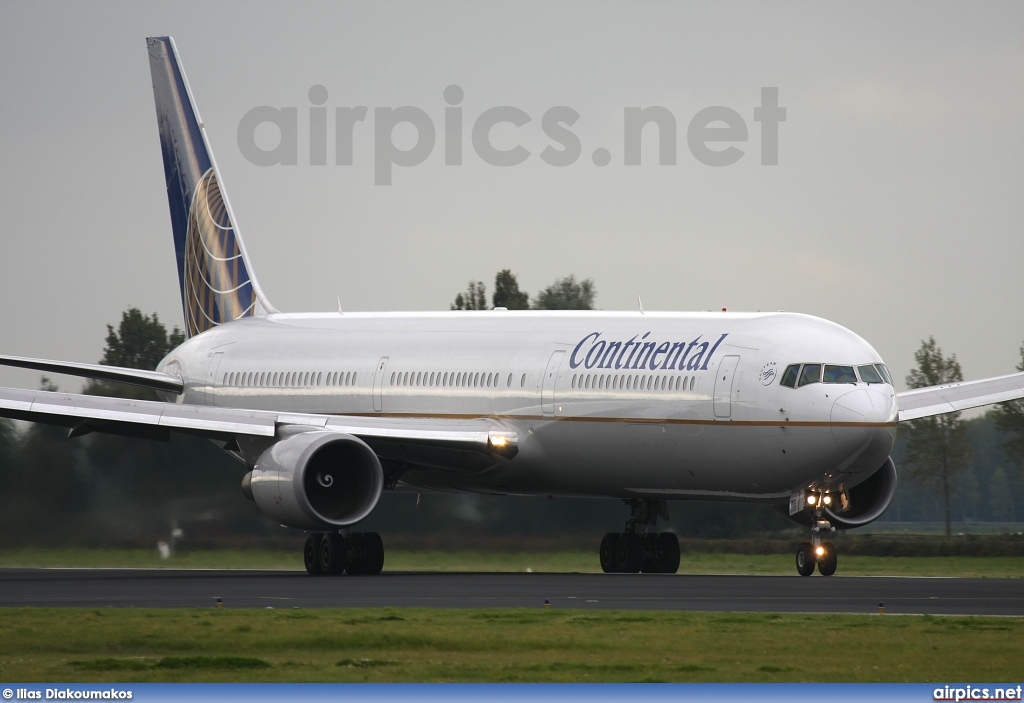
(607, 552)
(629, 554)
(333, 554)
(829, 560)
(649, 562)
(371, 553)
(668, 553)
(805, 559)
(311, 555)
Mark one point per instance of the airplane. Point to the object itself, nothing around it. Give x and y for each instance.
(326, 411)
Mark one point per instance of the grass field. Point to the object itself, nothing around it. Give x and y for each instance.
(500, 645)
(567, 561)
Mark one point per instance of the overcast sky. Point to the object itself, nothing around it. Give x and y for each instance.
(895, 209)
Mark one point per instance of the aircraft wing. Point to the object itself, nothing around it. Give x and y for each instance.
(418, 439)
(952, 397)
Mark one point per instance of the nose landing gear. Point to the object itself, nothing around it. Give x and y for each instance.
(817, 552)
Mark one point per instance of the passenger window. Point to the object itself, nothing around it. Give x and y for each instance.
(869, 374)
(693, 380)
(789, 376)
(839, 374)
(509, 384)
(811, 373)
(522, 383)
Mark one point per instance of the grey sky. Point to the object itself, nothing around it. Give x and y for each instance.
(895, 209)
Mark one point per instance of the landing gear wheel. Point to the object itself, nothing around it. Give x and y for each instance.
(668, 553)
(311, 555)
(649, 563)
(333, 554)
(629, 554)
(607, 552)
(371, 553)
(828, 561)
(805, 559)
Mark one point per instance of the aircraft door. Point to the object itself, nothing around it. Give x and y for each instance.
(547, 390)
(723, 386)
(211, 378)
(378, 384)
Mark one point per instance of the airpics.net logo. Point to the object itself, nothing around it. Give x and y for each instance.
(715, 135)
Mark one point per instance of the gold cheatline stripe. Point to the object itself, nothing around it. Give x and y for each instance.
(626, 420)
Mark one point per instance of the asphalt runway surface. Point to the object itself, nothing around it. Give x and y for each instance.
(167, 588)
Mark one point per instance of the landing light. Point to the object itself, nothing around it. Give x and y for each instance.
(504, 443)
(810, 500)
(820, 551)
(827, 500)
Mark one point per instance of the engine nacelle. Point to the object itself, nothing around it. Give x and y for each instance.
(316, 481)
(865, 502)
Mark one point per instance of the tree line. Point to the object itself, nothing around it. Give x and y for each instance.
(564, 294)
(105, 489)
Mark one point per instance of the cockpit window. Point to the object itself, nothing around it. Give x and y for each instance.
(811, 373)
(869, 374)
(885, 373)
(839, 374)
(789, 376)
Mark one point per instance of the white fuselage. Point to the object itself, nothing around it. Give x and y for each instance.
(631, 405)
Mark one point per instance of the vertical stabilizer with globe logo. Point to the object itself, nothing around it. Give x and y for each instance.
(217, 281)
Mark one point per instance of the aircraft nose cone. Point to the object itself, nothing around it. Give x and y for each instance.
(864, 406)
(863, 419)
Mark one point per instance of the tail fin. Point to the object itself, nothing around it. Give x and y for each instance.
(217, 282)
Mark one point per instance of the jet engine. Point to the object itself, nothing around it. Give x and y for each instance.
(861, 504)
(316, 480)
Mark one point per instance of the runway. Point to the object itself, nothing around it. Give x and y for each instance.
(166, 588)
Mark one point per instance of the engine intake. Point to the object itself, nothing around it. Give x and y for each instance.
(867, 500)
(316, 480)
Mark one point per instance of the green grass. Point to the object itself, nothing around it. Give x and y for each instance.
(143, 645)
(566, 561)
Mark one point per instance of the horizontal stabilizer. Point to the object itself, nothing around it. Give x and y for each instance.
(136, 377)
(953, 397)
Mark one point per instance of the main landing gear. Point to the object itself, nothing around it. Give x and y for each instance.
(354, 553)
(816, 552)
(635, 549)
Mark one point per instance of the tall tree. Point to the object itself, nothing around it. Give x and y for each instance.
(140, 341)
(567, 294)
(1010, 420)
(475, 297)
(936, 447)
(507, 294)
